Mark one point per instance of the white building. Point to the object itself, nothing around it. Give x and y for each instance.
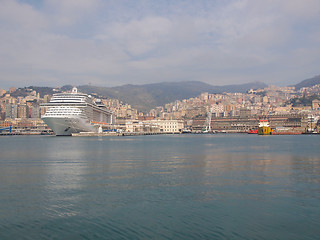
(141, 126)
(217, 108)
(162, 126)
(169, 126)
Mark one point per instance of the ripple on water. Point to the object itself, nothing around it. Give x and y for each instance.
(160, 187)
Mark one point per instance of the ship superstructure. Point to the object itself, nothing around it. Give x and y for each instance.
(264, 127)
(75, 112)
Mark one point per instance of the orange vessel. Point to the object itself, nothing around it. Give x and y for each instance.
(253, 131)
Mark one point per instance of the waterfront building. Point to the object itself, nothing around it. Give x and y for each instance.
(142, 127)
(169, 126)
(294, 122)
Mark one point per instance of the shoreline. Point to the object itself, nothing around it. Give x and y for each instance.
(112, 134)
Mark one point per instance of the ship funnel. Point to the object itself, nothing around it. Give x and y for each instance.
(74, 90)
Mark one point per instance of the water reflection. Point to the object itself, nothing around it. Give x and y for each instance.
(168, 186)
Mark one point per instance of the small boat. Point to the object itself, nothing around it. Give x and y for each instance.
(184, 131)
(253, 131)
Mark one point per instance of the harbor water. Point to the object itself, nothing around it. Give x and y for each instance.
(219, 186)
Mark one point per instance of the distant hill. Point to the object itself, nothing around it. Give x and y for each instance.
(23, 92)
(302, 101)
(148, 96)
(308, 82)
(43, 90)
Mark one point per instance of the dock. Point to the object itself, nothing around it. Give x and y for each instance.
(9, 133)
(111, 134)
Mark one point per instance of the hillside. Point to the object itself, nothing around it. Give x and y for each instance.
(148, 96)
(302, 101)
(308, 82)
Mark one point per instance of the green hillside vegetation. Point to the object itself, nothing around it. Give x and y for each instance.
(42, 90)
(303, 101)
(20, 92)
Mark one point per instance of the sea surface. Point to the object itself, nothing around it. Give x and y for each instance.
(219, 186)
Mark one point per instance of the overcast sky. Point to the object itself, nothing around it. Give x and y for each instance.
(115, 42)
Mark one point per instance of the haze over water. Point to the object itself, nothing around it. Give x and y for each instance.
(160, 187)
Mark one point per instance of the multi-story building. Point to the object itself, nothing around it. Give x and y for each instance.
(169, 126)
(11, 111)
(23, 111)
(141, 126)
(35, 112)
(2, 91)
(316, 104)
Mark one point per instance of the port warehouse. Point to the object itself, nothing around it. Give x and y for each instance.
(292, 122)
(296, 122)
(24, 124)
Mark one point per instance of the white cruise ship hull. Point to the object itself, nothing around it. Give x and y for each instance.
(65, 126)
(74, 112)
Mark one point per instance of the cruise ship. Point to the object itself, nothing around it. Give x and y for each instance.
(75, 112)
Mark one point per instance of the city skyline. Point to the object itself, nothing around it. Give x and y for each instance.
(108, 43)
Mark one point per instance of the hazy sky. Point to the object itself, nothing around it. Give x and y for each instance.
(115, 42)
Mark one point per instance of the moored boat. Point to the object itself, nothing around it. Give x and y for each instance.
(264, 127)
(253, 131)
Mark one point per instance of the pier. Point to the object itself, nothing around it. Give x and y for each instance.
(9, 133)
(112, 134)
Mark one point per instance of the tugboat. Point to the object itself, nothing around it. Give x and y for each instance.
(264, 127)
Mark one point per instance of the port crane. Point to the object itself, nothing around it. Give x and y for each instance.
(312, 128)
(207, 125)
(6, 128)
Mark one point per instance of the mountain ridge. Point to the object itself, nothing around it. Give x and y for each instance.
(308, 82)
(148, 96)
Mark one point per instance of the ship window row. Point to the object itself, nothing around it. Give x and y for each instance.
(63, 114)
(59, 114)
(65, 109)
(67, 100)
(68, 96)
